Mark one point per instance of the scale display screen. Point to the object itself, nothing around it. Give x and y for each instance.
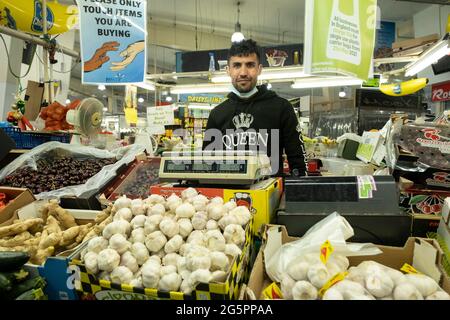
(171, 166)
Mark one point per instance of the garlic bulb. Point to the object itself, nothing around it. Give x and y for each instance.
(119, 226)
(189, 193)
(196, 237)
(157, 209)
(217, 200)
(108, 259)
(356, 275)
(152, 223)
(124, 213)
(219, 276)
(230, 205)
(181, 264)
(216, 211)
(303, 290)
(171, 259)
(90, 261)
(121, 275)
(186, 210)
(150, 274)
(426, 285)
(170, 282)
(139, 252)
(232, 250)
(199, 202)
(128, 260)
(215, 240)
(227, 220)
(137, 207)
(438, 295)
(234, 233)
(333, 294)
(318, 275)
(137, 282)
(407, 291)
(219, 261)
(122, 202)
(119, 243)
(155, 241)
(137, 235)
(169, 227)
(199, 220)
(286, 286)
(97, 244)
(200, 276)
(138, 221)
(156, 198)
(298, 269)
(167, 270)
(379, 284)
(212, 225)
(186, 286)
(155, 259)
(174, 244)
(185, 226)
(242, 215)
(340, 260)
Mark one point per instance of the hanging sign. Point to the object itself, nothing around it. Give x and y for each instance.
(162, 116)
(113, 41)
(130, 107)
(340, 37)
(202, 98)
(440, 92)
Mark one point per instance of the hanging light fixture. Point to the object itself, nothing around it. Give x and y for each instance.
(237, 36)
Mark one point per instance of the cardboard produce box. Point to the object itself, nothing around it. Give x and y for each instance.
(423, 254)
(262, 199)
(89, 287)
(19, 198)
(55, 269)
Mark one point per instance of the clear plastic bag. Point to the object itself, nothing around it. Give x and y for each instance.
(123, 155)
(333, 228)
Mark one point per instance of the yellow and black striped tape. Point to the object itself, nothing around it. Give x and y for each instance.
(88, 284)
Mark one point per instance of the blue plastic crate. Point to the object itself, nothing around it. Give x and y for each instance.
(31, 139)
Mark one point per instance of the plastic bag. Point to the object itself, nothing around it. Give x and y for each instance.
(333, 228)
(124, 155)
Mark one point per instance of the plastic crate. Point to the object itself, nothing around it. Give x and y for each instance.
(31, 139)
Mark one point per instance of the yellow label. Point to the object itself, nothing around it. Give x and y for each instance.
(272, 292)
(325, 250)
(335, 279)
(409, 269)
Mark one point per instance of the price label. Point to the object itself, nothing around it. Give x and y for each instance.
(325, 251)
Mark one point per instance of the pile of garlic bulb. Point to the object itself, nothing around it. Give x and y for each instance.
(306, 275)
(169, 244)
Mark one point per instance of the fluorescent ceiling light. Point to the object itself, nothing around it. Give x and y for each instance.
(237, 37)
(141, 100)
(146, 85)
(67, 101)
(101, 87)
(200, 89)
(427, 58)
(267, 74)
(169, 99)
(326, 82)
(200, 106)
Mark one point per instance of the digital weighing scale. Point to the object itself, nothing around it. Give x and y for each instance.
(214, 167)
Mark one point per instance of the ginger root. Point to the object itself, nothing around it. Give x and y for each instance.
(16, 240)
(65, 219)
(68, 236)
(52, 225)
(42, 255)
(102, 216)
(84, 230)
(17, 228)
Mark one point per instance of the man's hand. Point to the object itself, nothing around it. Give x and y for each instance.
(100, 57)
(129, 54)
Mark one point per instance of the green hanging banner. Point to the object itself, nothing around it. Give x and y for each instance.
(340, 37)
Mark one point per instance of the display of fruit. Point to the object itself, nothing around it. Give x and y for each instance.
(56, 173)
(146, 176)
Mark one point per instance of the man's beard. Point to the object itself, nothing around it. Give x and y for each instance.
(242, 90)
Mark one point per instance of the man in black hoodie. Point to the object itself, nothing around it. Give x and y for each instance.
(254, 117)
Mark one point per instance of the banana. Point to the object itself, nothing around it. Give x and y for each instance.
(26, 16)
(403, 88)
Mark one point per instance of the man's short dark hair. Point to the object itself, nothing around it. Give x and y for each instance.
(244, 48)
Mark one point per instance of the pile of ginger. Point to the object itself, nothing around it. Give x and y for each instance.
(56, 231)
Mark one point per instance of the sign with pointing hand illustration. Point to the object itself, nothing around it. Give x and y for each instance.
(113, 41)
(340, 37)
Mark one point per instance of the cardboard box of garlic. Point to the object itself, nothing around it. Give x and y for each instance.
(363, 277)
(187, 247)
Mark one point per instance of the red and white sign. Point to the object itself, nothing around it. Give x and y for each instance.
(441, 92)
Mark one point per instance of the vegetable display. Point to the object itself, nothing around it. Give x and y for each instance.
(55, 173)
(170, 244)
(38, 238)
